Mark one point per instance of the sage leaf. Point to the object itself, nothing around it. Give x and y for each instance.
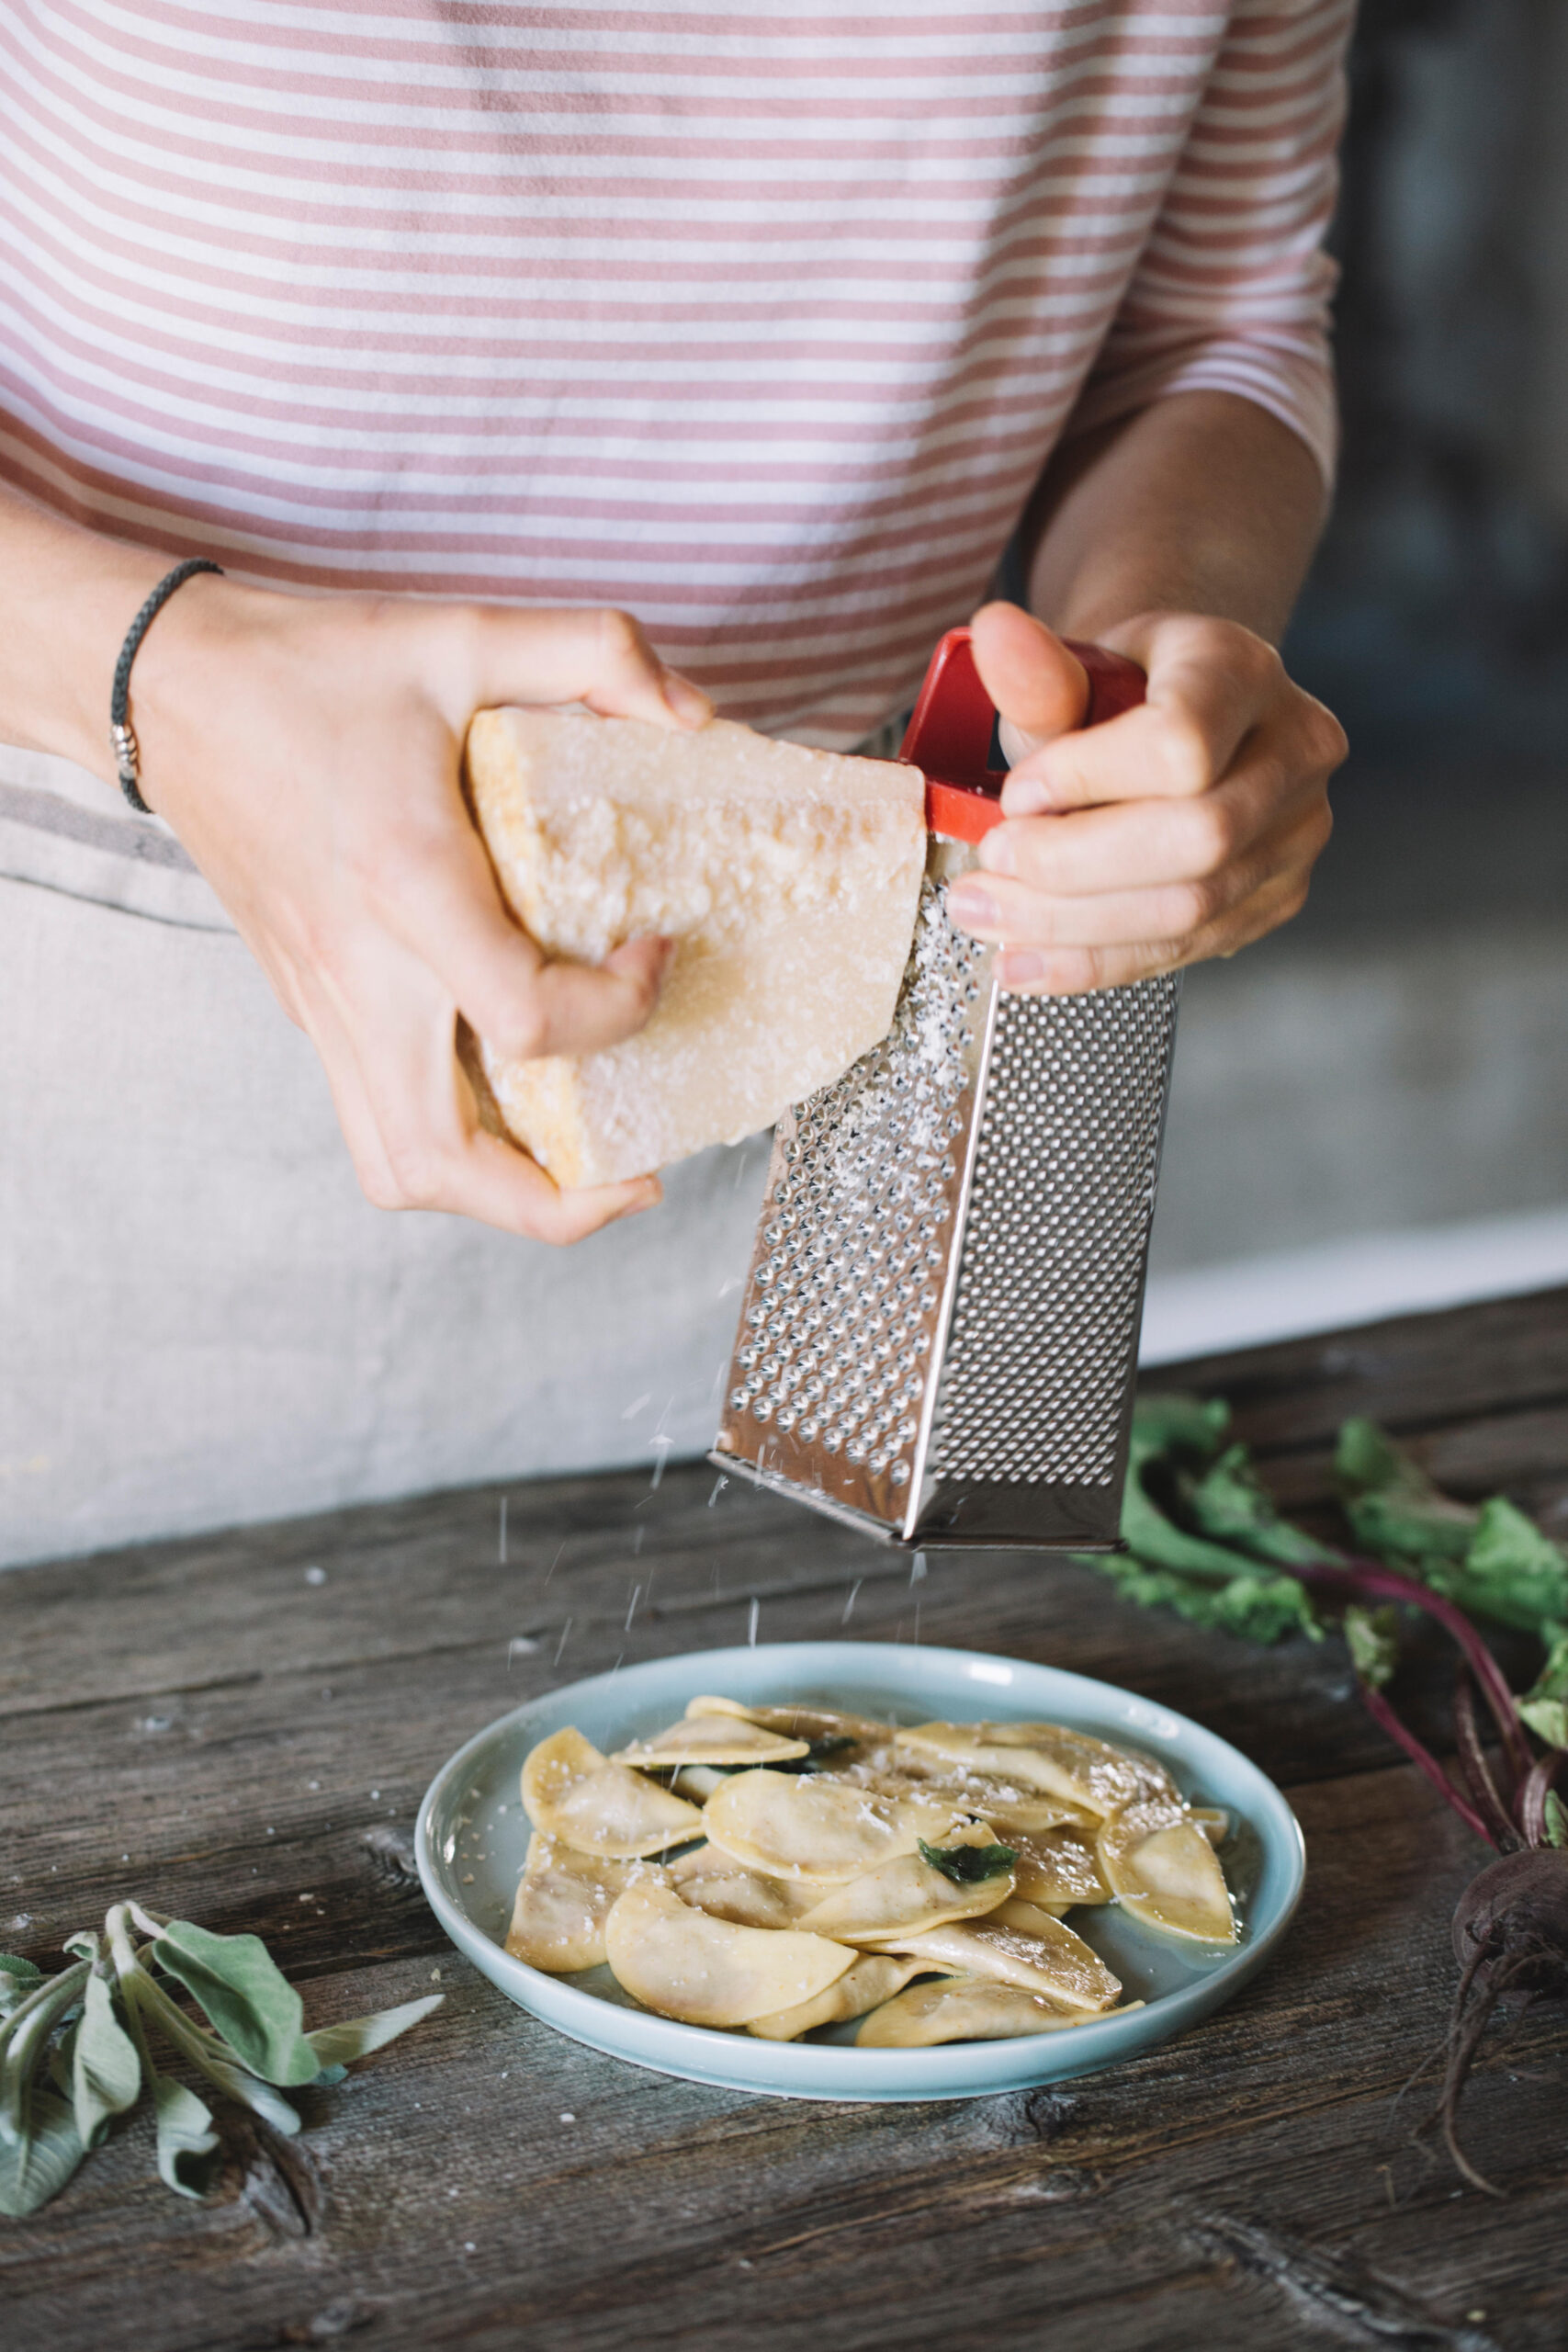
(214, 2059)
(37, 2166)
(1556, 1819)
(23, 2037)
(241, 1988)
(17, 1979)
(189, 2157)
(105, 2067)
(1372, 1636)
(964, 1865)
(340, 2045)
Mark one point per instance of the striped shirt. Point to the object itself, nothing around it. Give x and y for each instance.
(761, 325)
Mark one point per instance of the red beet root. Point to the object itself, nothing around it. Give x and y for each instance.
(1510, 1935)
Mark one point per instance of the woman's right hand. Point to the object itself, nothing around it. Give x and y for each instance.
(306, 750)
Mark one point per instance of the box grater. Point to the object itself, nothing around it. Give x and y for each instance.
(939, 1327)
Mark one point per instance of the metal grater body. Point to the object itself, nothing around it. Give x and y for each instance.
(939, 1327)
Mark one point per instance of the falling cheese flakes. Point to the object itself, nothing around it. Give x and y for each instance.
(806, 1881)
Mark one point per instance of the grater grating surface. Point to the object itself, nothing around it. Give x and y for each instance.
(847, 1280)
(1058, 1218)
(939, 1330)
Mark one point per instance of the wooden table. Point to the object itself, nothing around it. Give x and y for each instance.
(239, 1729)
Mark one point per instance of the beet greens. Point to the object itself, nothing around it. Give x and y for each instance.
(1203, 1538)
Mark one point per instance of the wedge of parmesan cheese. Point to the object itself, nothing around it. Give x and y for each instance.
(788, 879)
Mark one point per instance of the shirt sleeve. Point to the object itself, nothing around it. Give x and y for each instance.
(1233, 290)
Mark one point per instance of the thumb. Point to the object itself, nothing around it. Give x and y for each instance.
(1041, 689)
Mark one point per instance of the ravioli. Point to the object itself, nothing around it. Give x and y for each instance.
(681, 1964)
(574, 1793)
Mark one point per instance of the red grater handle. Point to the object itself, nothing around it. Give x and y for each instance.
(948, 738)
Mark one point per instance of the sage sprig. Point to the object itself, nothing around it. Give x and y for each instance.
(76, 2049)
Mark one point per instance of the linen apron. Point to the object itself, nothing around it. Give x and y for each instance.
(202, 1320)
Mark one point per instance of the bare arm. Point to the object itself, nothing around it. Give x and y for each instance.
(306, 750)
(1201, 503)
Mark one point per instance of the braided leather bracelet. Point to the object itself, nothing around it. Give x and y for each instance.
(122, 735)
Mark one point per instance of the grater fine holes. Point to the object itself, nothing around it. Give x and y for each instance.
(1043, 1324)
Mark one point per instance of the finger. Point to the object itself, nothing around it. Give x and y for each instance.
(412, 1123)
(441, 898)
(1176, 744)
(1001, 911)
(496, 1183)
(597, 656)
(1076, 971)
(1029, 673)
(1143, 843)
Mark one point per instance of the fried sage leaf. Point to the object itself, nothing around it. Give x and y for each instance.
(573, 1793)
(967, 1864)
(681, 1963)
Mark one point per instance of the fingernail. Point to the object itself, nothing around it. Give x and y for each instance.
(1021, 968)
(996, 851)
(1026, 796)
(967, 903)
(687, 702)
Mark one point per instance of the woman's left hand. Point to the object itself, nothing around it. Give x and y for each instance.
(1181, 829)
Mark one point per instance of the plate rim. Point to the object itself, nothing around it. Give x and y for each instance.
(946, 2070)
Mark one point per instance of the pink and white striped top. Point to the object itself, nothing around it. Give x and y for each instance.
(759, 323)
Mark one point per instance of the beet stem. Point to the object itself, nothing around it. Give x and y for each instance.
(1368, 1580)
(1473, 1761)
(1534, 1792)
(1381, 1712)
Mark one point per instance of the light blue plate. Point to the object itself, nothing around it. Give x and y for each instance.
(473, 1833)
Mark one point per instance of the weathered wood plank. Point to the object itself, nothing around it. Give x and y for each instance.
(1252, 2183)
(1220, 2184)
(1415, 1372)
(413, 1577)
(223, 1796)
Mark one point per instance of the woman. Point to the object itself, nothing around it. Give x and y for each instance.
(455, 341)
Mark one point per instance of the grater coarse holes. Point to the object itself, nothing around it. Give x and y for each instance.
(939, 1329)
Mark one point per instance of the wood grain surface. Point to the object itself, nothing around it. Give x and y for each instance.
(239, 1729)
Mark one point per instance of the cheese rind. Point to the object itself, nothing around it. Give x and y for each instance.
(788, 879)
